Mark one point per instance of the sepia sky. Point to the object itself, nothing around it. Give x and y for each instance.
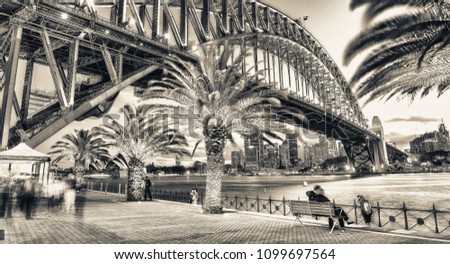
(333, 25)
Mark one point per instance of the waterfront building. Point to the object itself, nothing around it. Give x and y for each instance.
(284, 155)
(237, 160)
(431, 142)
(252, 147)
(293, 150)
(323, 150)
(271, 159)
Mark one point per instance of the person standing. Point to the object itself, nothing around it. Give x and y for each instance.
(148, 193)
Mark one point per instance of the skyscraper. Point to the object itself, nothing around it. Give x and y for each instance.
(271, 159)
(252, 153)
(293, 150)
(284, 155)
(237, 159)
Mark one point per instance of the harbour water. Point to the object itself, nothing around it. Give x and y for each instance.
(416, 190)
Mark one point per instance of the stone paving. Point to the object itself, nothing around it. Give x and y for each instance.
(110, 219)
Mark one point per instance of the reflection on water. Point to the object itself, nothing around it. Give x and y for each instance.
(416, 190)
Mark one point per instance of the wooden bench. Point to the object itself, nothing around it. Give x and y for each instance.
(314, 209)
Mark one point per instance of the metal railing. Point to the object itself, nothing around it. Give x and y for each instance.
(418, 221)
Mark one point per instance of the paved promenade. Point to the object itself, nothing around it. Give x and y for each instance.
(109, 219)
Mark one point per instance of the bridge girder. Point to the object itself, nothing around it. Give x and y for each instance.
(246, 24)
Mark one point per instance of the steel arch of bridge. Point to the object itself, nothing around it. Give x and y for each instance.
(86, 43)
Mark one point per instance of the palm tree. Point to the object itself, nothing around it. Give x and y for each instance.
(408, 52)
(221, 99)
(141, 138)
(83, 147)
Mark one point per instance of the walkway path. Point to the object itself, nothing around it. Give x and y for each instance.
(109, 219)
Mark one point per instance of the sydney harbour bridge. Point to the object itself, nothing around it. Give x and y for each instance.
(94, 50)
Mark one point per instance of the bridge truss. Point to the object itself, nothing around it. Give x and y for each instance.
(72, 39)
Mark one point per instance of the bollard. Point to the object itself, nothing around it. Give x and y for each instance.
(106, 188)
(235, 202)
(101, 186)
(120, 188)
(284, 206)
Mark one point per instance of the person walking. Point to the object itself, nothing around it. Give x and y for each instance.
(28, 197)
(148, 193)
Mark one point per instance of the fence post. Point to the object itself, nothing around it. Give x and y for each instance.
(120, 188)
(406, 216)
(257, 203)
(435, 219)
(379, 216)
(284, 206)
(355, 207)
(246, 203)
(101, 186)
(235, 202)
(270, 204)
(126, 189)
(106, 188)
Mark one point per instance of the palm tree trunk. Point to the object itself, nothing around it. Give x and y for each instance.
(215, 144)
(136, 176)
(78, 171)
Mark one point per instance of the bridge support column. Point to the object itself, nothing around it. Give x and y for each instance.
(380, 155)
(10, 83)
(72, 74)
(54, 70)
(359, 153)
(71, 116)
(27, 88)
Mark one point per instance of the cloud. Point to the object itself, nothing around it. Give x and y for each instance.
(401, 140)
(414, 119)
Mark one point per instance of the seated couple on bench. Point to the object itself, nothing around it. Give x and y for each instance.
(318, 195)
(319, 206)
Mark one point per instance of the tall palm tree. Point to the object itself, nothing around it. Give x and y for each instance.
(83, 147)
(408, 52)
(221, 99)
(142, 137)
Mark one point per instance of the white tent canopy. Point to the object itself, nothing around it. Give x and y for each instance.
(22, 152)
(23, 161)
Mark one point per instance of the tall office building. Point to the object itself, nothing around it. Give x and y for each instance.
(284, 155)
(237, 159)
(325, 149)
(271, 159)
(293, 150)
(253, 152)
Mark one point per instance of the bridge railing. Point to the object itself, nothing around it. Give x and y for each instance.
(425, 222)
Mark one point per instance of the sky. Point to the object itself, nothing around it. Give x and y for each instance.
(333, 25)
